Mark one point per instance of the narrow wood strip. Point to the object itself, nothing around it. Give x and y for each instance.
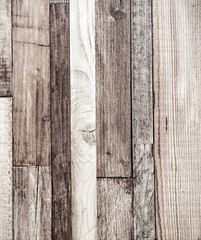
(60, 111)
(32, 203)
(31, 83)
(115, 219)
(83, 118)
(143, 164)
(59, 1)
(6, 168)
(113, 88)
(177, 73)
(5, 48)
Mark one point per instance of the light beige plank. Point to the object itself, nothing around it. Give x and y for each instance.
(83, 127)
(177, 74)
(6, 168)
(32, 203)
(5, 48)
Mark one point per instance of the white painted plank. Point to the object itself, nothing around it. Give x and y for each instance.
(82, 52)
(6, 168)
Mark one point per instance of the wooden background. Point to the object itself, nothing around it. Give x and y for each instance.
(100, 119)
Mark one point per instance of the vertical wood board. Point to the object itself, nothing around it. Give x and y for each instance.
(177, 72)
(83, 118)
(5, 48)
(32, 203)
(6, 168)
(113, 104)
(60, 118)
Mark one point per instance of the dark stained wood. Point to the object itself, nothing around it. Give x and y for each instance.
(5, 48)
(32, 203)
(31, 83)
(113, 96)
(60, 116)
(115, 219)
(142, 107)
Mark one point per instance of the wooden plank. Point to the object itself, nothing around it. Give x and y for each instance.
(83, 118)
(6, 168)
(113, 88)
(5, 48)
(177, 72)
(60, 118)
(32, 202)
(59, 1)
(31, 83)
(143, 164)
(115, 220)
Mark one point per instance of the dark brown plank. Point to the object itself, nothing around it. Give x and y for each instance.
(142, 106)
(31, 83)
(32, 203)
(5, 48)
(60, 115)
(115, 219)
(113, 88)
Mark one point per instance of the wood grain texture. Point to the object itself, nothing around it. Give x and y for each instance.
(83, 118)
(6, 168)
(177, 72)
(113, 88)
(60, 118)
(142, 106)
(5, 48)
(31, 83)
(59, 1)
(32, 203)
(115, 219)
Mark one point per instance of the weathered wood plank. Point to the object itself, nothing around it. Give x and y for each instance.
(83, 118)
(143, 164)
(177, 73)
(6, 168)
(59, 1)
(31, 83)
(113, 88)
(32, 203)
(5, 48)
(60, 118)
(115, 219)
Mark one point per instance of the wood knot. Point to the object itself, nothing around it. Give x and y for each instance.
(117, 14)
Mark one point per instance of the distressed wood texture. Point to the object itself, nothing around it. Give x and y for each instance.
(6, 168)
(59, 1)
(31, 83)
(60, 111)
(5, 48)
(115, 220)
(177, 73)
(113, 88)
(142, 99)
(83, 118)
(32, 203)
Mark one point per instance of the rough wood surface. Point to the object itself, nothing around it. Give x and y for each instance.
(113, 88)
(60, 118)
(177, 73)
(59, 1)
(115, 220)
(83, 118)
(6, 168)
(31, 83)
(142, 99)
(32, 203)
(5, 48)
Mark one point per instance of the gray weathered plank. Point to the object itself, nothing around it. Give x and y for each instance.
(59, 1)
(113, 105)
(32, 203)
(31, 83)
(6, 169)
(142, 115)
(177, 86)
(5, 48)
(83, 118)
(60, 118)
(115, 219)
